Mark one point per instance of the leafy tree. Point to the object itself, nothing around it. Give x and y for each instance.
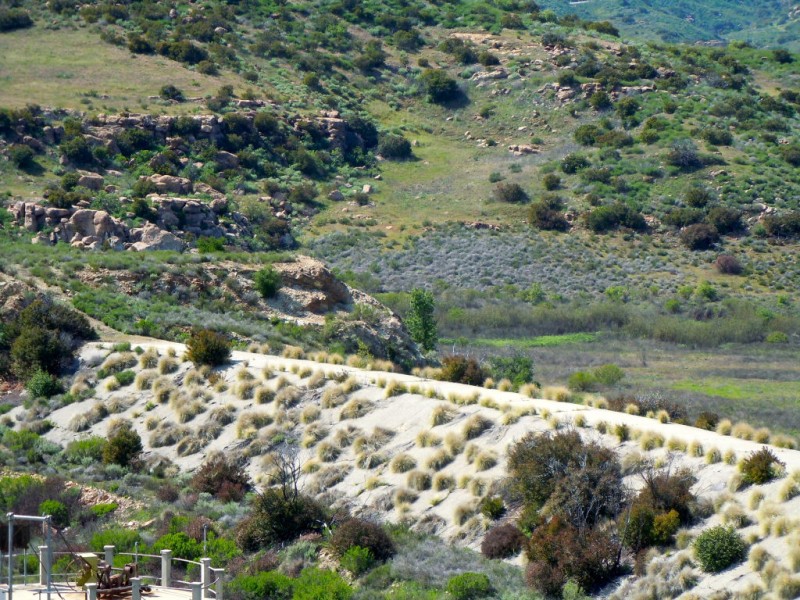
(58, 512)
(420, 320)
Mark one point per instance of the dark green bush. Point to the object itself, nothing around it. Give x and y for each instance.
(510, 192)
(546, 214)
(206, 347)
(170, 92)
(468, 586)
(551, 182)
(21, 155)
(439, 86)
(725, 219)
(357, 560)
(718, 548)
(699, 236)
(785, 226)
(572, 163)
(760, 467)
(123, 447)
(206, 244)
(614, 216)
(393, 146)
(321, 584)
(37, 349)
(609, 374)
(87, 449)
(582, 381)
(268, 281)
(14, 18)
(493, 507)
(517, 369)
(277, 518)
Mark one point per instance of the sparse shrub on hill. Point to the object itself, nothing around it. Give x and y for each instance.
(728, 265)
(277, 518)
(684, 155)
(725, 219)
(358, 532)
(510, 192)
(469, 586)
(606, 218)
(699, 236)
(206, 347)
(718, 548)
(461, 369)
(43, 385)
(761, 467)
(572, 163)
(420, 319)
(223, 478)
(546, 214)
(503, 541)
(395, 147)
(783, 226)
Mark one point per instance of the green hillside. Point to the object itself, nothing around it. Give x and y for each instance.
(770, 23)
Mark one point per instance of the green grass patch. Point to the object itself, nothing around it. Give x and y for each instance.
(542, 341)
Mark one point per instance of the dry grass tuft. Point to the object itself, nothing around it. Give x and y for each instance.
(248, 424)
(454, 443)
(371, 460)
(402, 463)
(310, 414)
(393, 388)
(485, 460)
(149, 360)
(443, 482)
(695, 448)
(313, 434)
(558, 393)
(463, 512)
(428, 439)
(355, 409)
(328, 452)
(263, 395)
(345, 436)
(441, 414)
(294, 352)
(724, 427)
(167, 365)
(418, 480)
(333, 396)
(651, 440)
(729, 457)
(438, 460)
(713, 456)
(245, 389)
(743, 431)
(676, 445)
(224, 415)
(476, 425)
(144, 380)
(288, 397)
(83, 421)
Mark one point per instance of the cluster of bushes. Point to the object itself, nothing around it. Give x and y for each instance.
(586, 381)
(14, 18)
(579, 487)
(40, 340)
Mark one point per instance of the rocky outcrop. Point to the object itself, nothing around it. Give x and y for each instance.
(170, 184)
(152, 237)
(91, 181)
(320, 290)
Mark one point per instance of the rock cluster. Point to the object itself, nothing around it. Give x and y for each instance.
(94, 229)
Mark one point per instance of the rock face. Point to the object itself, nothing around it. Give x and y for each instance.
(170, 184)
(321, 290)
(91, 181)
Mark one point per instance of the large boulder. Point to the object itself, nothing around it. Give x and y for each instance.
(151, 237)
(91, 181)
(171, 184)
(319, 284)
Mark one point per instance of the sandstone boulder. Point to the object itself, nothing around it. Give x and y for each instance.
(151, 237)
(91, 181)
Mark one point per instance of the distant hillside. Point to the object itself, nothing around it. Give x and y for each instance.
(768, 23)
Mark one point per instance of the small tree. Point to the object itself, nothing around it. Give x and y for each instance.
(420, 321)
(268, 281)
(439, 86)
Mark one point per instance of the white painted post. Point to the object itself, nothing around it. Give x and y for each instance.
(205, 576)
(91, 591)
(197, 590)
(219, 577)
(44, 564)
(136, 588)
(2, 592)
(109, 554)
(166, 568)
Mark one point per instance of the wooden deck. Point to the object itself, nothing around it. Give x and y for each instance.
(72, 592)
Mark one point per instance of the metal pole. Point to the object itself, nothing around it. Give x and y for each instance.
(109, 554)
(205, 542)
(197, 590)
(44, 565)
(218, 585)
(91, 591)
(50, 561)
(166, 568)
(10, 555)
(24, 565)
(136, 553)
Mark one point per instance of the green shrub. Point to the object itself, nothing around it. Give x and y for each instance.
(43, 385)
(320, 584)
(223, 478)
(206, 244)
(572, 163)
(510, 192)
(100, 510)
(551, 182)
(609, 374)
(362, 534)
(395, 147)
(357, 560)
(37, 349)
(206, 347)
(123, 539)
(606, 218)
(123, 447)
(125, 377)
(718, 548)
(664, 527)
(467, 586)
(182, 546)
(517, 369)
(268, 281)
(439, 86)
(582, 381)
(421, 321)
(493, 507)
(170, 92)
(760, 467)
(58, 512)
(21, 155)
(87, 449)
(263, 585)
(546, 214)
(637, 530)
